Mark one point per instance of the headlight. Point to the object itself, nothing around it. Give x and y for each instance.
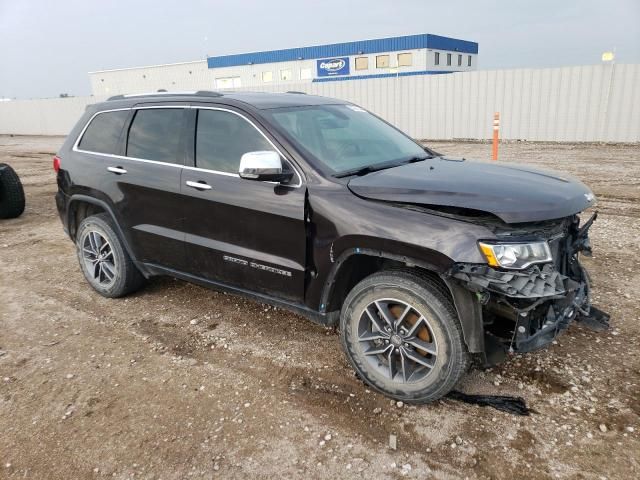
(515, 255)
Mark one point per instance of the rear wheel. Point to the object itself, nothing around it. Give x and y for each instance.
(402, 335)
(11, 193)
(104, 261)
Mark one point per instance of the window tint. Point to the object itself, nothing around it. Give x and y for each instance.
(222, 138)
(448, 59)
(155, 134)
(436, 59)
(103, 132)
(469, 60)
(459, 60)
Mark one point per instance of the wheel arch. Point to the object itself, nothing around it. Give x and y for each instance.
(341, 279)
(91, 206)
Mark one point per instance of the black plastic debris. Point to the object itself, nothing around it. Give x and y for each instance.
(504, 403)
(597, 320)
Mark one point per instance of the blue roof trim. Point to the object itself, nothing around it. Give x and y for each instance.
(381, 75)
(391, 44)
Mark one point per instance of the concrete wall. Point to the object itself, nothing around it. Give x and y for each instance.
(569, 104)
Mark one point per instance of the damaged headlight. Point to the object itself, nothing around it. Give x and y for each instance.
(515, 255)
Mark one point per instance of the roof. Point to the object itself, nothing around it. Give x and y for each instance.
(259, 100)
(390, 44)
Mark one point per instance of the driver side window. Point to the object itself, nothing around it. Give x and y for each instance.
(222, 138)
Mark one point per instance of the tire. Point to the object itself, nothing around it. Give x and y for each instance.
(114, 274)
(11, 193)
(429, 320)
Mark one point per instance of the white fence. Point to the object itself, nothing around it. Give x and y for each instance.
(570, 104)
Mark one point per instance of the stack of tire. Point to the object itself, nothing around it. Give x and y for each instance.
(11, 193)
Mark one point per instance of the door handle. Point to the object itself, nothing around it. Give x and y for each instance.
(198, 185)
(117, 170)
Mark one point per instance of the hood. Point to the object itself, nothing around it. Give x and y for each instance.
(511, 192)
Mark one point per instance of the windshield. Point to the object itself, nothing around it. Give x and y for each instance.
(345, 137)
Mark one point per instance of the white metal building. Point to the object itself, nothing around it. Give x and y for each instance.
(423, 54)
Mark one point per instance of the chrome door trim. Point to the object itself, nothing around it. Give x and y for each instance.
(176, 165)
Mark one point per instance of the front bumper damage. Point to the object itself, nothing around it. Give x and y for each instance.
(524, 310)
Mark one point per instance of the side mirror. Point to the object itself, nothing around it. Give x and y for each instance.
(265, 166)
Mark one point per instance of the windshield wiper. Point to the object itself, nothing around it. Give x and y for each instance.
(381, 166)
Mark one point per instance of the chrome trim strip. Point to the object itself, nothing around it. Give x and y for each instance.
(111, 155)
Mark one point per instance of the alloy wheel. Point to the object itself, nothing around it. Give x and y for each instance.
(398, 340)
(98, 258)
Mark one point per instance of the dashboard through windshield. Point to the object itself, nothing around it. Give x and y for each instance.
(344, 137)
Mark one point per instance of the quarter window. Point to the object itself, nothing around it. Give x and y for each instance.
(382, 61)
(405, 59)
(222, 138)
(155, 134)
(103, 133)
(362, 63)
(436, 58)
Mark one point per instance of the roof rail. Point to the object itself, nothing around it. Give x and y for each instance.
(199, 93)
(296, 92)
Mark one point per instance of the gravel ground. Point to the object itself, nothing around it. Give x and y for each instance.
(178, 381)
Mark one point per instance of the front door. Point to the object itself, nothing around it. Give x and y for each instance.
(243, 233)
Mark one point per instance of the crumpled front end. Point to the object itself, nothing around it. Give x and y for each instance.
(524, 310)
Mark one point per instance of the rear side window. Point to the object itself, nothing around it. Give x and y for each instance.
(222, 138)
(103, 133)
(155, 135)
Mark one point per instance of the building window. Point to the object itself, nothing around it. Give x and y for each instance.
(405, 59)
(469, 60)
(285, 74)
(228, 82)
(305, 73)
(448, 59)
(436, 58)
(459, 60)
(362, 63)
(267, 76)
(382, 61)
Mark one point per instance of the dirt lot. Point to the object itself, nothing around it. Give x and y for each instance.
(182, 382)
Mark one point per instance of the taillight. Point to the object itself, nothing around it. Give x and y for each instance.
(56, 163)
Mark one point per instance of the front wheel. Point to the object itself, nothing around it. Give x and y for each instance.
(401, 333)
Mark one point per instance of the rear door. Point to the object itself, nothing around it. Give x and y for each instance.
(245, 233)
(142, 181)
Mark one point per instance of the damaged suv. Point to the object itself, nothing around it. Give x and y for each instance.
(427, 263)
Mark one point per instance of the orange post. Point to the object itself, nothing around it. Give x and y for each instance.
(496, 132)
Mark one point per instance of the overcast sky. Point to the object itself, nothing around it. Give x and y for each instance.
(48, 46)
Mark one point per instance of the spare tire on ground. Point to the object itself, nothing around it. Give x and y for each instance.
(11, 193)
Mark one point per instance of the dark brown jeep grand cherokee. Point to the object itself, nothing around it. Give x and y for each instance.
(316, 205)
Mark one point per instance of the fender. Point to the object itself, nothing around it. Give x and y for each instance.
(465, 302)
(105, 206)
